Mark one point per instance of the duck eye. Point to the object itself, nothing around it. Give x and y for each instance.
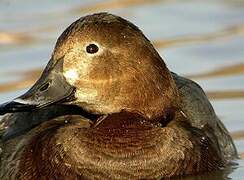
(92, 48)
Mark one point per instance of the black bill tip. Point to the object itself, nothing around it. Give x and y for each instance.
(12, 106)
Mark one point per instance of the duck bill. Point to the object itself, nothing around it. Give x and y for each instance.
(51, 88)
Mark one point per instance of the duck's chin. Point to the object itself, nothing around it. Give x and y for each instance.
(69, 109)
(84, 112)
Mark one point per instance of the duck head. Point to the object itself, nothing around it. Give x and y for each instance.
(103, 64)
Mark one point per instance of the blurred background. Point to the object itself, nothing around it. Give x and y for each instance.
(200, 39)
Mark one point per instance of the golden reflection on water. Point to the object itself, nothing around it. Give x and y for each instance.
(27, 80)
(90, 7)
(230, 94)
(221, 35)
(238, 135)
(230, 70)
(17, 38)
(14, 38)
(241, 155)
(104, 5)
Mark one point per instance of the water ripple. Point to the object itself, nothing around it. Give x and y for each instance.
(222, 35)
(223, 71)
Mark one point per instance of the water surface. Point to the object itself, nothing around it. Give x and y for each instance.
(203, 40)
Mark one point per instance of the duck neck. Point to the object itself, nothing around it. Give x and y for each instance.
(152, 96)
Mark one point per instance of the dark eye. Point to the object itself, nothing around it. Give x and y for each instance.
(91, 48)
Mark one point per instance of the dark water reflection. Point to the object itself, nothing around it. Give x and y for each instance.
(203, 40)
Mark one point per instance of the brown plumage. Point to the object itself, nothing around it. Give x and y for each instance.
(121, 145)
(113, 112)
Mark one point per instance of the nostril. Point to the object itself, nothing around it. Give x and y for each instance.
(45, 87)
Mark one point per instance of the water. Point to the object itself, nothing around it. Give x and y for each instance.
(203, 40)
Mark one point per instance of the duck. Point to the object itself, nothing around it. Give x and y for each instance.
(107, 107)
